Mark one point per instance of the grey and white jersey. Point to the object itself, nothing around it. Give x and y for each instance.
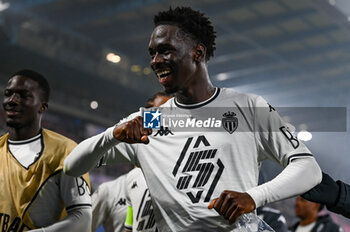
(109, 206)
(186, 169)
(139, 198)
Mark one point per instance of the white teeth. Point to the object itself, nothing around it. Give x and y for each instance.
(163, 74)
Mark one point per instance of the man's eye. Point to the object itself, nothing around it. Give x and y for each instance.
(7, 93)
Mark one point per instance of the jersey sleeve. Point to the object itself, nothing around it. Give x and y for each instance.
(87, 154)
(75, 192)
(121, 149)
(100, 206)
(274, 137)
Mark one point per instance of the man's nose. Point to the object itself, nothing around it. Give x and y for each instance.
(14, 98)
(156, 59)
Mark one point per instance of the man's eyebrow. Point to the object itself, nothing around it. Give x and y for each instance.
(17, 90)
(160, 47)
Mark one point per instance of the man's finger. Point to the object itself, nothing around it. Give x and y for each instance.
(145, 131)
(219, 201)
(211, 204)
(234, 215)
(225, 205)
(230, 210)
(145, 139)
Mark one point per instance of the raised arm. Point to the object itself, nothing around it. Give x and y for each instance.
(86, 155)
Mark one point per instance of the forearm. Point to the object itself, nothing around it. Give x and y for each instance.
(76, 220)
(342, 205)
(298, 177)
(85, 156)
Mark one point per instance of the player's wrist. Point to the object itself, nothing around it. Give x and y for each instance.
(117, 133)
(111, 135)
(255, 195)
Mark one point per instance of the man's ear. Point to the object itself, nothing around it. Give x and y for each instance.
(199, 53)
(44, 106)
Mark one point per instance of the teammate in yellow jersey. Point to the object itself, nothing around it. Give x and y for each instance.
(35, 194)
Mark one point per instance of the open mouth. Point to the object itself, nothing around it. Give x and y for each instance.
(163, 74)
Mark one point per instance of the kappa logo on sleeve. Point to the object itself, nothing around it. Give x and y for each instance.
(122, 201)
(271, 108)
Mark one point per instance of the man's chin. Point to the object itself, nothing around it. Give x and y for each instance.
(170, 90)
(13, 124)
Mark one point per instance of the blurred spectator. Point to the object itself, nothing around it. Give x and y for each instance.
(310, 220)
(273, 217)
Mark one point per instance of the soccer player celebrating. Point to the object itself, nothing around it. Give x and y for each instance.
(35, 193)
(187, 170)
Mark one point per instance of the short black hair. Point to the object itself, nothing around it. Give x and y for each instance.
(149, 102)
(37, 77)
(193, 23)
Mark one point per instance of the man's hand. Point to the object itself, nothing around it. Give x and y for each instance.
(325, 193)
(232, 204)
(132, 131)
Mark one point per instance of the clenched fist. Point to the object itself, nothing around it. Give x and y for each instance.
(132, 131)
(232, 204)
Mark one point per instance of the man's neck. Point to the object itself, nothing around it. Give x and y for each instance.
(195, 96)
(308, 220)
(23, 133)
(199, 90)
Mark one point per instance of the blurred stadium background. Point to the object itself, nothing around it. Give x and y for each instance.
(295, 53)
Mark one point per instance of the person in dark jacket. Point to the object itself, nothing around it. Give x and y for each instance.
(310, 221)
(334, 194)
(273, 217)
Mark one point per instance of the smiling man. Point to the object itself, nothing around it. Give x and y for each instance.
(186, 170)
(35, 193)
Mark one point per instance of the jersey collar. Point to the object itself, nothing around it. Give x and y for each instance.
(200, 104)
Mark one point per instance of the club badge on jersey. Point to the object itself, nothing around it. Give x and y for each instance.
(229, 122)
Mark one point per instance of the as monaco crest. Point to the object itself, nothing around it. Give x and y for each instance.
(229, 122)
